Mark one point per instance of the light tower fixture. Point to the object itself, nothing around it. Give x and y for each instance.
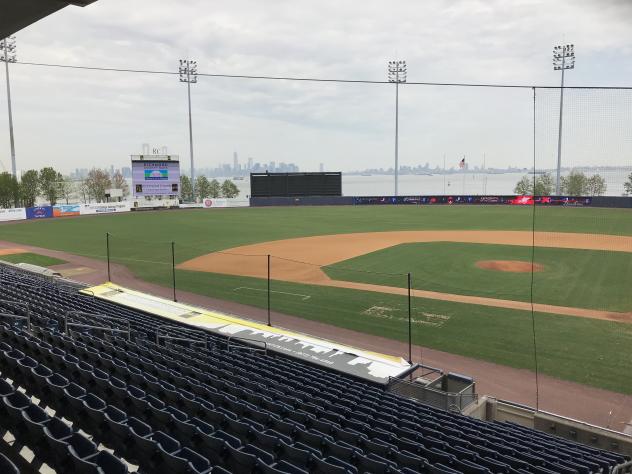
(397, 71)
(188, 74)
(563, 59)
(8, 55)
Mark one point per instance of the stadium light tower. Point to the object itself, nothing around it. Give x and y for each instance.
(188, 74)
(563, 59)
(397, 73)
(7, 54)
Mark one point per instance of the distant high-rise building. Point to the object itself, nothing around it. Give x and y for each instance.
(272, 166)
(322, 167)
(250, 164)
(235, 162)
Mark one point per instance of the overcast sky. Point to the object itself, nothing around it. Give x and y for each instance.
(72, 118)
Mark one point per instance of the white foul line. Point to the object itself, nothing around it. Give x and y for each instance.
(303, 297)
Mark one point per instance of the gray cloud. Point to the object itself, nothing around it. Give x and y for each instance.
(76, 118)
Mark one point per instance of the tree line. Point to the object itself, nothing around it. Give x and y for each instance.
(206, 189)
(54, 187)
(575, 184)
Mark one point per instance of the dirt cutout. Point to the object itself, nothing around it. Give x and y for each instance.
(512, 266)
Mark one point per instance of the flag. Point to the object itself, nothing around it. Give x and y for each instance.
(462, 163)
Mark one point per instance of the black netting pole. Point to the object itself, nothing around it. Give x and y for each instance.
(269, 322)
(410, 325)
(107, 249)
(173, 268)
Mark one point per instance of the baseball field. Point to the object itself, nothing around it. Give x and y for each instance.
(348, 266)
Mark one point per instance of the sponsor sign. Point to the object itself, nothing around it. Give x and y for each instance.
(13, 214)
(64, 210)
(485, 200)
(104, 208)
(39, 212)
(214, 202)
(208, 203)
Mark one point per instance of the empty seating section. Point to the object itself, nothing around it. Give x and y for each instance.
(178, 409)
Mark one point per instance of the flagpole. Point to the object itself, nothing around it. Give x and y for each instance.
(444, 174)
(463, 175)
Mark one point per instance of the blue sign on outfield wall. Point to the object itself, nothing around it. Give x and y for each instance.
(40, 212)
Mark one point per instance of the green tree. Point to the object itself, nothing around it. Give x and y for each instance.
(524, 186)
(118, 182)
(9, 190)
(575, 184)
(202, 187)
(29, 188)
(596, 185)
(215, 189)
(544, 185)
(627, 186)
(229, 189)
(97, 182)
(49, 184)
(186, 190)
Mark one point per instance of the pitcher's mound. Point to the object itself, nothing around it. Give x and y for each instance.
(515, 266)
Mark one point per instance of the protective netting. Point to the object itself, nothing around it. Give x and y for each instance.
(583, 252)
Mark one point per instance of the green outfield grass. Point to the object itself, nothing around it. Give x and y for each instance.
(569, 276)
(586, 351)
(32, 258)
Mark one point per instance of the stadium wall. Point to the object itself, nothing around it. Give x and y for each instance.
(565, 201)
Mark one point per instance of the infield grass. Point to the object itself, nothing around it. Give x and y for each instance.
(569, 277)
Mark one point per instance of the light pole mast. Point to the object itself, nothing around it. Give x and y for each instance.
(397, 73)
(563, 59)
(7, 54)
(188, 74)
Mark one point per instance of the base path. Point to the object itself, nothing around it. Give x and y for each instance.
(291, 257)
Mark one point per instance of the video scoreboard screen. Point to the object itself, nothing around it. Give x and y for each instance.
(295, 184)
(155, 177)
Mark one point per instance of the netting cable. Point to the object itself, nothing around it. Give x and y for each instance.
(535, 346)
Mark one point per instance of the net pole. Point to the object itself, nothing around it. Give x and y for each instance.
(410, 325)
(107, 250)
(173, 268)
(269, 322)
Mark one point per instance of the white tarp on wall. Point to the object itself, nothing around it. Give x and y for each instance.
(14, 214)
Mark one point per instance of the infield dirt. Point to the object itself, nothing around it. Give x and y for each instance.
(301, 260)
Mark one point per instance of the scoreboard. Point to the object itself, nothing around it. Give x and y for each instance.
(295, 184)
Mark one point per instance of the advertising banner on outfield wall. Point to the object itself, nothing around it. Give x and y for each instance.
(39, 212)
(492, 200)
(65, 210)
(224, 202)
(104, 208)
(14, 214)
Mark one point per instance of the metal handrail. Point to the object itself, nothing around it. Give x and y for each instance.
(18, 316)
(180, 338)
(265, 344)
(460, 396)
(22, 304)
(620, 468)
(125, 322)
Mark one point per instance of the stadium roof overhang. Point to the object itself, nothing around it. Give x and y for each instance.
(18, 14)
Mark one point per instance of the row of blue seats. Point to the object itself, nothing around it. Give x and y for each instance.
(91, 409)
(369, 419)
